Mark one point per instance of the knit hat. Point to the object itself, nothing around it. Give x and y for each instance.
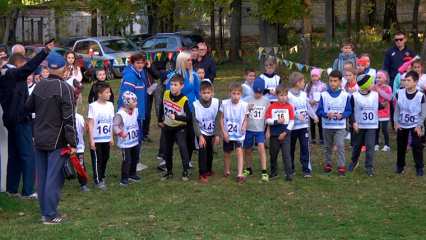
(258, 85)
(55, 61)
(316, 72)
(364, 81)
(127, 97)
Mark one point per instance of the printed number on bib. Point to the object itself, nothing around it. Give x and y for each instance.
(407, 118)
(208, 125)
(256, 114)
(232, 127)
(132, 134)
(104, 129)
(367, 116)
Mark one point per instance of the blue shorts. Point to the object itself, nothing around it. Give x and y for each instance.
(252, 138)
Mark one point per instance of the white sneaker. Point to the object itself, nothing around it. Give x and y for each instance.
(33, 196)
(348, 136)
(141, 167)
(376, 148)
(386, 148)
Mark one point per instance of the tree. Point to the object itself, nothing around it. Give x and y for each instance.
(390, 18)
(349, 19)
(330, 20)
(274, 13)
(235, 30)
(357, 19)
(415, 27)
(307, 32)
(212, 25)
(372, 10)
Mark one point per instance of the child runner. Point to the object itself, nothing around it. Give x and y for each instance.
(80, 127)
(250, 76)
(385, 96)
(314, 89)
(271, 78)
(346, 54)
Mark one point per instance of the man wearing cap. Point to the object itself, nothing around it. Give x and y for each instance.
(13, 94)
(365, 122)
(54, 129)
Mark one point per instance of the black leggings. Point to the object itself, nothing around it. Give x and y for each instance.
(205, 156)
(130, 158)
(100, 158)
(384, 126)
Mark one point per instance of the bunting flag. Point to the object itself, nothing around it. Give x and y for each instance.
(290, 65)
(213, 53)
(93, 63)
(285, 61)
(147, 56)
(240, 53)
(152, 56)
(170, 56)
(300, 67)
(275, 50)
(294, 49)
(227, 53)
(260, 51)
(159, 54)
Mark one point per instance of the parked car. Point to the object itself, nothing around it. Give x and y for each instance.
(116, 50)
(32, 50)
(170, 42)
(69, 42)
(139, 39)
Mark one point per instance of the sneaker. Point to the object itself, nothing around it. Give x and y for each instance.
(370, 172)
(273, 176)
(307, 175)
(241, 179)
(288, 178)
(399, 170)
(190, 165)
(348, 136)
(386, 148)
(341, 171)
(134, 178)
(328, 168)
(264, 177)
(53, 221)
(13, 194)
(353, 166)
(101, 186)
(124, 183)
(203, 179)
(84, 188)
(185, 176)
(141, 167)
(162, 167)
(247, 173)
(167, 176)
(363, 149)
(419, 172)
(33, 196)
(376, 148)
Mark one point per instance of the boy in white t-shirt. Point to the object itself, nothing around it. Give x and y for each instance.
(126, 129)
(100, 118)
(233, 124)
(81, 128)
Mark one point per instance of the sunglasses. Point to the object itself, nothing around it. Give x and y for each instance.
(399, 39)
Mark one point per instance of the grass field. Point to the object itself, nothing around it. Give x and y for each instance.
(385, 206)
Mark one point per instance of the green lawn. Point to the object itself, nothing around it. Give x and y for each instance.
(385, 206)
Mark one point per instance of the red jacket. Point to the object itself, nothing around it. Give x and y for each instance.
(385, 95)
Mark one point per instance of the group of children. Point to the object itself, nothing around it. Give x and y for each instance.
(356, 102)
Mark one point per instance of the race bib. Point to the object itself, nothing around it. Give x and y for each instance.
(257, 113)
(281, 113)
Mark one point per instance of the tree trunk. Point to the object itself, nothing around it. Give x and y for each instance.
(94, 22)
(390, 18)
(329, 20)
(357, 19)
(349, 19)
(269, 38)
(415, 28)
(221, 28)
(212, 26)
(372, 13)
(10, 30)
(235, 31)
(307, 32)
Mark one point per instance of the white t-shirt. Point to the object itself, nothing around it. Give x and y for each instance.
(421, 84)
(131, 127)
(233, 118)
(206, 116)
(102, 115)
(79, 125)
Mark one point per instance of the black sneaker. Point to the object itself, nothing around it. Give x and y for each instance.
(307, 175)
(419, 172)
(399, 170)
(273, 176)
(288, 178)
(124, 182)
(370, 172)
(53, 221)
(167, 176)
(162, 168)
(134, 178)
(185, 176)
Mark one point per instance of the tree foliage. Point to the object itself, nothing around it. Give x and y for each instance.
(279, 11)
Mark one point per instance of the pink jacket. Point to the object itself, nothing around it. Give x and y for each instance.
(385, 95)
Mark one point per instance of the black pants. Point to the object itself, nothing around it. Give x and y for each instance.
(205, 156)
(147, 121)
(416, 146)
(313, 127)
(81, 180)
(364, 137)
(190, 139)
(161, 149)
(384, 127)
(275, 146)
(178, 135)
(99, 161)
(130, 157)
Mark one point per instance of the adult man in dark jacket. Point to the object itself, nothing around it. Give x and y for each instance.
(54, 129)
(13, 94)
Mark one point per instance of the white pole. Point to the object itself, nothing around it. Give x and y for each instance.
(3, 153)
